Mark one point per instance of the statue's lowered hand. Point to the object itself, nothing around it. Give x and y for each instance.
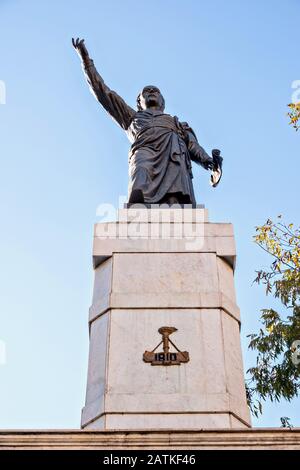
(80, 48)
(217, 159)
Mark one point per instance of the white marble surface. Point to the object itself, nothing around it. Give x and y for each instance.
(142, 284)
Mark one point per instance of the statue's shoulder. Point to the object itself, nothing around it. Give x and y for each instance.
(185, 128)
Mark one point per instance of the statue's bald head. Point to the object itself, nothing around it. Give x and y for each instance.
(150, 98)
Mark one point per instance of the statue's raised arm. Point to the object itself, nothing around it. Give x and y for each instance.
(109, 99)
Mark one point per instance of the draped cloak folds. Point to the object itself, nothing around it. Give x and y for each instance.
(162, 148)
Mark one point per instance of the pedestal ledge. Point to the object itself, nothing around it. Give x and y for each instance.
(219, 439)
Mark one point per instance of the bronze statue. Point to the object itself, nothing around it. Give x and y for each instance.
(160, 169)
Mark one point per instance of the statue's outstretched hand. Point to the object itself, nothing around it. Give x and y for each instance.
(80, 48)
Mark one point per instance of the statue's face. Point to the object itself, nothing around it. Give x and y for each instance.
(151, 97)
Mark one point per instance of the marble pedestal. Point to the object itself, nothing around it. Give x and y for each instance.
(155, 268)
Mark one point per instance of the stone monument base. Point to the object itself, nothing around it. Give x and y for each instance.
(164, 324)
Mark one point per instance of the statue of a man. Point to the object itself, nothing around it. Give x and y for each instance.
(162, 147)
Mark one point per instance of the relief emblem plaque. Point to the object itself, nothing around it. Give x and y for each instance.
(165, 357)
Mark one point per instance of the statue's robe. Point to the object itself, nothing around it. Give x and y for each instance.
(162, 148)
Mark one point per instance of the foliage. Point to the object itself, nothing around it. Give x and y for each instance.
(286, 422)
(294, 115)
(275, 374)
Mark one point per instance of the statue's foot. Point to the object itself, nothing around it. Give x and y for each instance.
(175, 199)
(171, 200)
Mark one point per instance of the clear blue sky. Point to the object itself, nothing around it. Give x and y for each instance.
(225, 67)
